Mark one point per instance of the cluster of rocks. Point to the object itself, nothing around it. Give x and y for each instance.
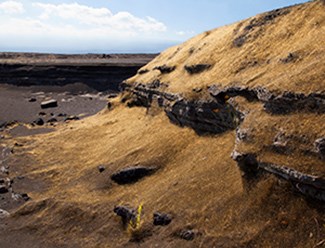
(129, 215)
(308, 185)
(40, 121)
(216, 114)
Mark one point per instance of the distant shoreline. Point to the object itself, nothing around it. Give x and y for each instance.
(122, 59)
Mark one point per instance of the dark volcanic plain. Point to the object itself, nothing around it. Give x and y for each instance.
(80, 83)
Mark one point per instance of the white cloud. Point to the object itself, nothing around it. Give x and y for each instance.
(12, 7)
(75, 26)
(99, 17)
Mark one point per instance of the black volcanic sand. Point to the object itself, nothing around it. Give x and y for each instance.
(17, 109)
(73, 100)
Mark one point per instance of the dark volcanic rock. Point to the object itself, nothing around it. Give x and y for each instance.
(187, 235)
(291, 102)
(160, 219)
(290, 58)
(308, 185)
(247, 163)
(132, 174)
(194, 69)
(32, 100)
(39, 122)
(126, 214)
(143, 71)
(101, 168)
(164, 69)
(253, 29)
(52, 120)
(49, 104)
(72, 118)
(98, 73)
(3, 189)
(18, 196)
(320, 147)
(205, 117)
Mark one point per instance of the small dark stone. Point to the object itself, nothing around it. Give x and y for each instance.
(101, 168)
(126, 214)
(247, 163)
(39, 122)
(290, 58)
(49, 104)
(32, 100)
(143, 71)
(72, 118)
(164, 69)
(240, 40)
(160, 219)
(154, 84)
(131, 174)
(18, 145)
(112, 95)
(41, 113)
(193, 69)
(3, 189)
(25, 196)
(52, 120)
(62, 115)
(187, 235)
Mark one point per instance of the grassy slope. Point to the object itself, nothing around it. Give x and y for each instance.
(301, 31)
(198, 182)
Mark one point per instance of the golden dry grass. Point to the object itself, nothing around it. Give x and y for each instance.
(301, 31)
(197, 181)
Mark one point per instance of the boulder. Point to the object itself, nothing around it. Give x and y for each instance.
(131, 174)
(126, 214)
(39, 122)
(161, 219)
(49, 104)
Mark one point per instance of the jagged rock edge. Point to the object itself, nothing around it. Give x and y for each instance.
(308, 185)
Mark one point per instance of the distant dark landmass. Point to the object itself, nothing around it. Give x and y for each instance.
(99, 72)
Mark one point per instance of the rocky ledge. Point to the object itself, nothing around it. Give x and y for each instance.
(216, 110)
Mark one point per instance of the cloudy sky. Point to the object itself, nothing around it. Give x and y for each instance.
(85, 26)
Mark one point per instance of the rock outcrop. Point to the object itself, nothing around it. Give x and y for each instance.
(251, 93)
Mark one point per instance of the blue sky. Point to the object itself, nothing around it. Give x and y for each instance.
(113, 26)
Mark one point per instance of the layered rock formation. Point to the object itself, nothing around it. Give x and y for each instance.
(99, 72)
(263, 77)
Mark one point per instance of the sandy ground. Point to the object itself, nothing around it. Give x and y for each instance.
(23, 104)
